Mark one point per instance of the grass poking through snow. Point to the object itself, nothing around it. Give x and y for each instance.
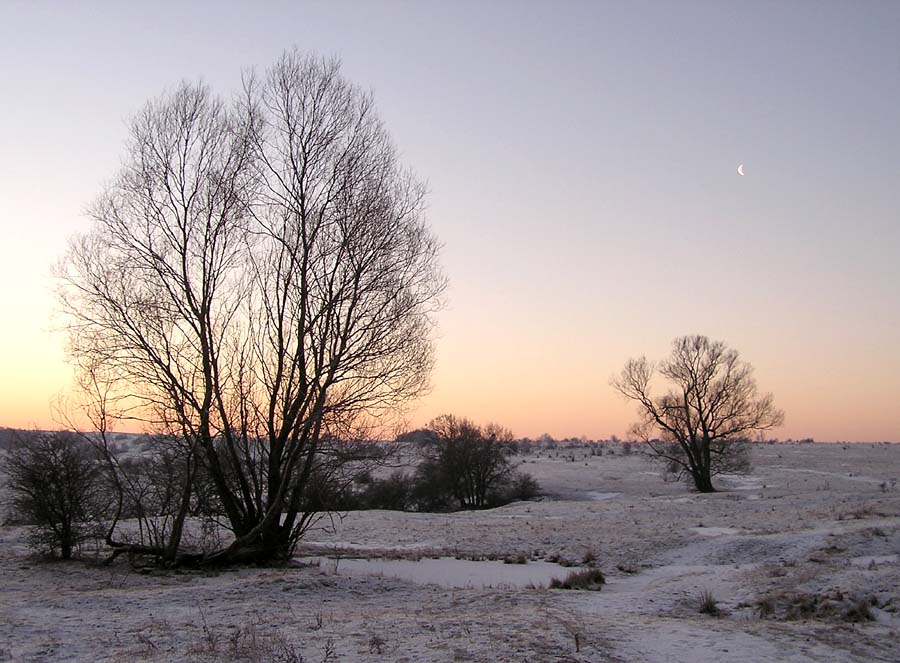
(587, 579)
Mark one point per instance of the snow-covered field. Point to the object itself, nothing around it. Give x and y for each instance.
(789, 553)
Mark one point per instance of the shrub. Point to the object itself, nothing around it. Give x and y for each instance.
(765, 607)
(376, 644)
(364, 478)
(584, 579)
(243, 643)
(858, 611)
(326, 492)
(522, 487)
(429, 490)
(832, 606)
(709, 605)
(394, 493)
(55, 483)
(467, 467)
(629, 568)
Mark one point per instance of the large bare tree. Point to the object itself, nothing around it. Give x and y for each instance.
(259, 279)
(710, 410)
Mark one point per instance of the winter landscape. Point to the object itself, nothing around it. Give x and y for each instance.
(380, 330)
(800, 557)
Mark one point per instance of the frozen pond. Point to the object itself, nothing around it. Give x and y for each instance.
(448, 571)
(597, 496)
(714, 531)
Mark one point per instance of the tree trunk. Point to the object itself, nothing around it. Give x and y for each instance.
(174, 544)
(703, 480)
(66, 539)
(272, 544)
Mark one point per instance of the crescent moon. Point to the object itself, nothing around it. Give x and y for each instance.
(741, 170)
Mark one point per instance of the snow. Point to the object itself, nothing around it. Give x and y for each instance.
(813, 529)
(869, 560)
(595, 495)
(714, 531)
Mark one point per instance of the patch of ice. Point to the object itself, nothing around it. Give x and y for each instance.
(714, 531)
(448, 571)
(351, 545)
(597, 496)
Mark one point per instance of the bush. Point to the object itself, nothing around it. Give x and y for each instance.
(834, 606)
(364, 478)
(55, 482)
(709, 605)
(394, 493)
(327, 492)
(430, 491)
(522, 487)
(468, 467)
(584, 579)
(858, 611)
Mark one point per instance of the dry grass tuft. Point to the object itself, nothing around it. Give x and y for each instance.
(709, 605)
(832, 606)
(585, 579)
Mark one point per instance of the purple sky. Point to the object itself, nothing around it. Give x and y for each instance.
(582, 163)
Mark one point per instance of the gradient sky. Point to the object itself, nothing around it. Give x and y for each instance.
(581, 158)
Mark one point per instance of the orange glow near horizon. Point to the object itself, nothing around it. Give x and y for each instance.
(496, 384)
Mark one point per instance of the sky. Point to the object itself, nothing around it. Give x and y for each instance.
(581, 159)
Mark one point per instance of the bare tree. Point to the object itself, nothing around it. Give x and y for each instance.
(55, 483)
(259, 279)
(468, 464)
(154, 489)
(701, 424)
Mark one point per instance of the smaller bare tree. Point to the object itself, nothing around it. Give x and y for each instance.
(702, 423)
(154, 489)
(56, 489)
(468, 464)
